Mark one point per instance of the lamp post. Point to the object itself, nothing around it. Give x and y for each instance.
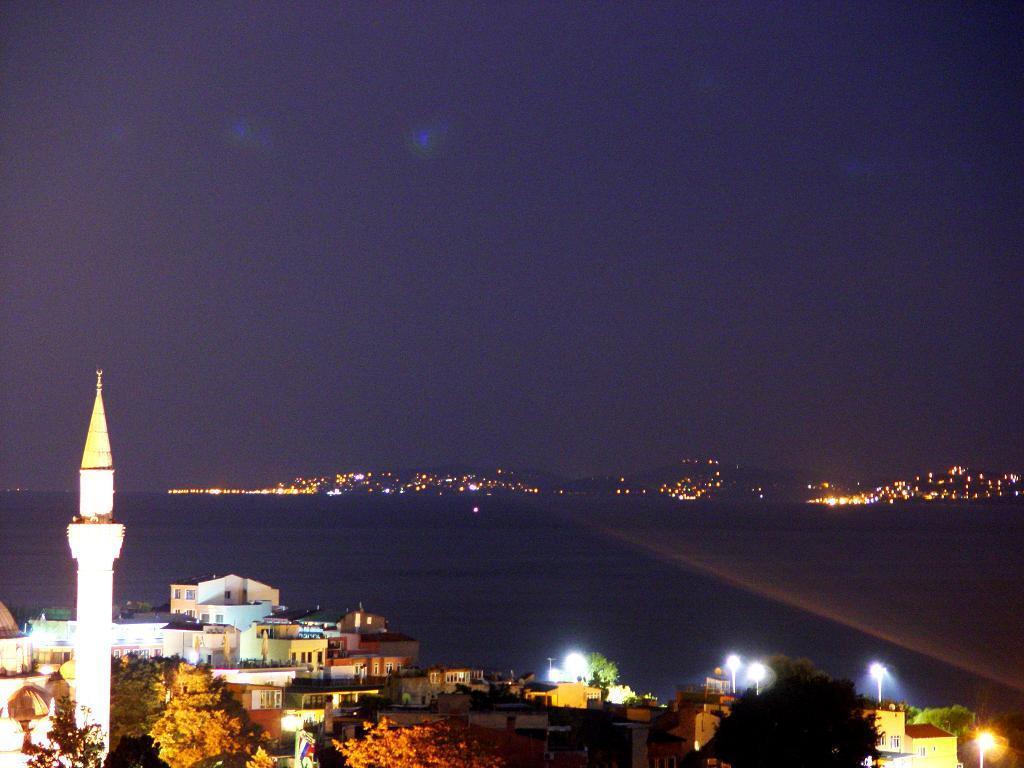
(575, 665)
(878, 672)
(755, 674)
(985, 742)
(733, 663)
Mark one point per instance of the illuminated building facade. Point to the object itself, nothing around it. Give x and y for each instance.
(95, 541)
(26, 697)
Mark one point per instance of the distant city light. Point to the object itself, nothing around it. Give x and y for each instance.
(733, 664)
(756, 673)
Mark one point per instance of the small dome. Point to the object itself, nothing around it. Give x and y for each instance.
(28, 703)
(8, 626)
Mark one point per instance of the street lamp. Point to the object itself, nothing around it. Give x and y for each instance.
(985, 742)
(755, 674)
(575, 665)
(733, 663)
(878, 672)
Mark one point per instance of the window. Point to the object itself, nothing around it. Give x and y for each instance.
(462, 677)
(894, 742)
(177, 594)
(227, 594)
(319, 657)
(922, 751)
(191, 613)
(190, 594)
(206, 618)
(220, 618)
(266, 700)
(389, 668)
(435, 677)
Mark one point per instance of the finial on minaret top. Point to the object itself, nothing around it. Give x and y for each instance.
(97, 442)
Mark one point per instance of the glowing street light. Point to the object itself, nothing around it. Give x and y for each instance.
(755, 674)
(575, 666)
(878, 672)
(985, 742)
(733, 663)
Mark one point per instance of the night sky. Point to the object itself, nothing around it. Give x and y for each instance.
(581, 237)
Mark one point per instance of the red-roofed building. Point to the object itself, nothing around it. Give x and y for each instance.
(931, 747)
(913, 746)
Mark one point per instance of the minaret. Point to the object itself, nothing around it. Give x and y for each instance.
(95, 543)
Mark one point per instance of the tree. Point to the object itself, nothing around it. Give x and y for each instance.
(438, 745)
(604, 672)
(260, 759)
(135, 752)
(956, 719)
(804, 719)
(202, 722)
(70, 746)
(138, 695)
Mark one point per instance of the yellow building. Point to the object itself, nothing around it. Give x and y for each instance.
(931, 747)
(577, 695)
(891, 725)
(912, 746)
(283, 642)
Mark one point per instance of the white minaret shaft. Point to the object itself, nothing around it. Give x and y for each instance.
(95, 543)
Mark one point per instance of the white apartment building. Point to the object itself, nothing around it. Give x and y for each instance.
(230, 599)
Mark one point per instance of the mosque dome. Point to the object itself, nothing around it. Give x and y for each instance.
(8, 626)
(28, 703)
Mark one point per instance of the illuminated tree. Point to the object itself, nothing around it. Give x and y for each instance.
(260, 759)
(203, 723)
(70, 746)
(804, 719)
(138, 695)
(604, 672)
(956, 719)
(439, 745)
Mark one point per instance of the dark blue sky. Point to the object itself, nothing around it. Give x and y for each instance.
(583, 237)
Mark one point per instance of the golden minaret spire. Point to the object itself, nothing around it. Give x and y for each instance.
(97, 442)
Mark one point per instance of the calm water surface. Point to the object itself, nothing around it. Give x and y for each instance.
(665, 589)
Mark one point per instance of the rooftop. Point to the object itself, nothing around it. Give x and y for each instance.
(193, 581)
(927, 731)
